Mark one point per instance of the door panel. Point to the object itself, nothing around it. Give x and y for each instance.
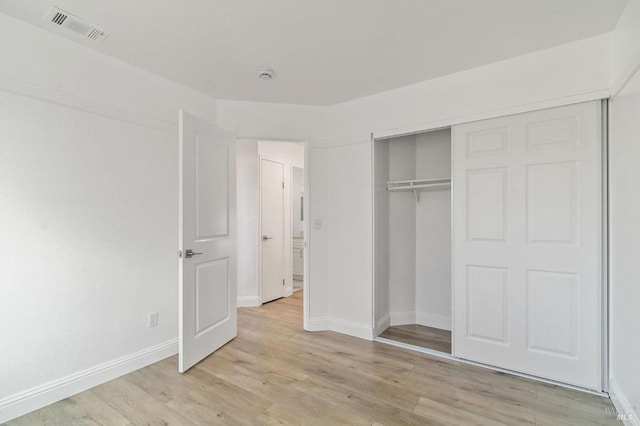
(527, 249)
(488, 317)
(211, 294)
(207, 227)
(486, 204)
(211, 188)
(272, 226)
(552, 321)
(551, 203)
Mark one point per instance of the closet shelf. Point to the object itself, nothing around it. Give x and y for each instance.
(417, 184)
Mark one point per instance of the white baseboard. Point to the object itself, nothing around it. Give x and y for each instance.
(624, 408)
(382, 324)
(248, 301)
(363, 331)
(350, 328)
(318, 324)
(48, 393)
(442, 322)
(402, 318)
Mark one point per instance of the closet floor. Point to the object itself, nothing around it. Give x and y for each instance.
(419, 335)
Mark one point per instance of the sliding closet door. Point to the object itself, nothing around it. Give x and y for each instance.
(527, 259)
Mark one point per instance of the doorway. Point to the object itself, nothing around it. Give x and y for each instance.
(271, 234)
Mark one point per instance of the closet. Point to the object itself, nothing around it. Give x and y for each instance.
(495, 230)
(413, 238)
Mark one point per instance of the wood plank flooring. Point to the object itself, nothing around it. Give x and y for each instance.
(275, 373)
(419, 335)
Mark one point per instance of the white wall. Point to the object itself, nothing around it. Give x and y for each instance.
(570, 73)
(402, 233)
(624, 181)
(433, 232)
(381, 236)
(316, 295)
(625, 234)
(247, 180)
(340, 250)
(626, 49)
(42, 64)
(349, 225)
(268, 121)
(89, 210)
(555, 75)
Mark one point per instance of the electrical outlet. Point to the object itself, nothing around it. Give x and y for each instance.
(153, 319)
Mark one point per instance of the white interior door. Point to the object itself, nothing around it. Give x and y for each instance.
(527, 241)
(272, 228)
(207, 230)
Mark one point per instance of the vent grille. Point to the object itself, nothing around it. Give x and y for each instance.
(66, 20)
(59, 18)
(95, 34)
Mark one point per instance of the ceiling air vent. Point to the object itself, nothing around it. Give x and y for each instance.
(66, 20)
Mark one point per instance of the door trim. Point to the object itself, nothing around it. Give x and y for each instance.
(485, 115)
(605, 244)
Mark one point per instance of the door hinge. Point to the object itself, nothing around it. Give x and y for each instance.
(282, 185)
(283, 281)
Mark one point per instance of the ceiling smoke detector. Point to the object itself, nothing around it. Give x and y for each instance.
(265, 73)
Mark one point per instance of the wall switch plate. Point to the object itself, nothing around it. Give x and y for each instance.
(317, 223)
(153, 319)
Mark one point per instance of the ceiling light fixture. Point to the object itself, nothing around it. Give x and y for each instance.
(265, 73)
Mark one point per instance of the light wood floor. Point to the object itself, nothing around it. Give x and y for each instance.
(419, 335)
(275, 373)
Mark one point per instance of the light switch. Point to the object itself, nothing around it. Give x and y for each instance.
(317, 223)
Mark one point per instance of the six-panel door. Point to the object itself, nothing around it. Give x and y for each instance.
(527, 238)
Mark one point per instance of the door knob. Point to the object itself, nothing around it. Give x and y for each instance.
(190, 253)
(265, 238)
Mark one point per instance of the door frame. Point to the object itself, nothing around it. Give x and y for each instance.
(384, 137)
(605, 221)
(306, 244)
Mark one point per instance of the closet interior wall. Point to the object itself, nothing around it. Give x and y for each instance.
(413, 238)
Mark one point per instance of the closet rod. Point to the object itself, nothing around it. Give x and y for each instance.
(414, 185)
(419, 181)
(410, 187)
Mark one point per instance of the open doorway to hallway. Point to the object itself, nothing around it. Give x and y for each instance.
(271, 220)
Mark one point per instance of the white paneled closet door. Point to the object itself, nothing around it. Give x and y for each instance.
(527, 243)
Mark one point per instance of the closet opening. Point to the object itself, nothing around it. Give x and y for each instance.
(412, 239)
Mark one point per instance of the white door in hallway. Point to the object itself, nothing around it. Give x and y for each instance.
(207, 317)
(272, 228)
(527, 243)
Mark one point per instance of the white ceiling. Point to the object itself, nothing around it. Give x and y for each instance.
(323, 51)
